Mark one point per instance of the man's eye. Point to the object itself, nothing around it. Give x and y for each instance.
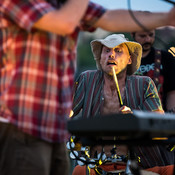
(142, 36)
(118, 50)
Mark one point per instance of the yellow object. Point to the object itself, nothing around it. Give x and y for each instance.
(71, 113)
(172, 148)
(78, 146)
(159, 138)
(117, 86)
(172, 51)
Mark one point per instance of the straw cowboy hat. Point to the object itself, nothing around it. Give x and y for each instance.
(111, 41)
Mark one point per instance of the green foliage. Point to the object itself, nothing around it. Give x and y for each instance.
(85, 57)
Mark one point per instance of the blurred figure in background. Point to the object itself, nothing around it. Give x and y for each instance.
(160, 66)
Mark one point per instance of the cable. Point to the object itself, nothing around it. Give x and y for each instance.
(134, 18)
(169, 1)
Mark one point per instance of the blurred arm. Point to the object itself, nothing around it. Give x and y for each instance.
(121, 20)
(64, 20)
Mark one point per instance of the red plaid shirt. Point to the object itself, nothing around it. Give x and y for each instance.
(37, 68)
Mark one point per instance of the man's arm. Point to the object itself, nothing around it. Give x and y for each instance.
(170, 101)
(121, 20)
(64, 20)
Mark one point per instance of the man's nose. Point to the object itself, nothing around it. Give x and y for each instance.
(112, 54)
(147, 38)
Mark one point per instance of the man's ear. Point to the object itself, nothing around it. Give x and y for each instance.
(130, 60)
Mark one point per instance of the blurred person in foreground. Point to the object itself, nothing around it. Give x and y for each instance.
(160, 66)
(95, 94)
(38, 40)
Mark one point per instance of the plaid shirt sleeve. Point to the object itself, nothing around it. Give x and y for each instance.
(25, 13)
(92, 15)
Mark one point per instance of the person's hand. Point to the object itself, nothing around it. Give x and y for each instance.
(125, 110)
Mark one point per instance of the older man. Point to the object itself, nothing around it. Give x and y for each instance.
(96, 92)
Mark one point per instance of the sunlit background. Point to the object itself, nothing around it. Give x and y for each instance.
(150, 5)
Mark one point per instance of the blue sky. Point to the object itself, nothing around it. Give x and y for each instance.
(150, 5)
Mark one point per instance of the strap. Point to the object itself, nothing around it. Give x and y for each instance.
(157, 62)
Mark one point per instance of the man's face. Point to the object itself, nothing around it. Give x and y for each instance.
(117, 57)
(146, 39)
